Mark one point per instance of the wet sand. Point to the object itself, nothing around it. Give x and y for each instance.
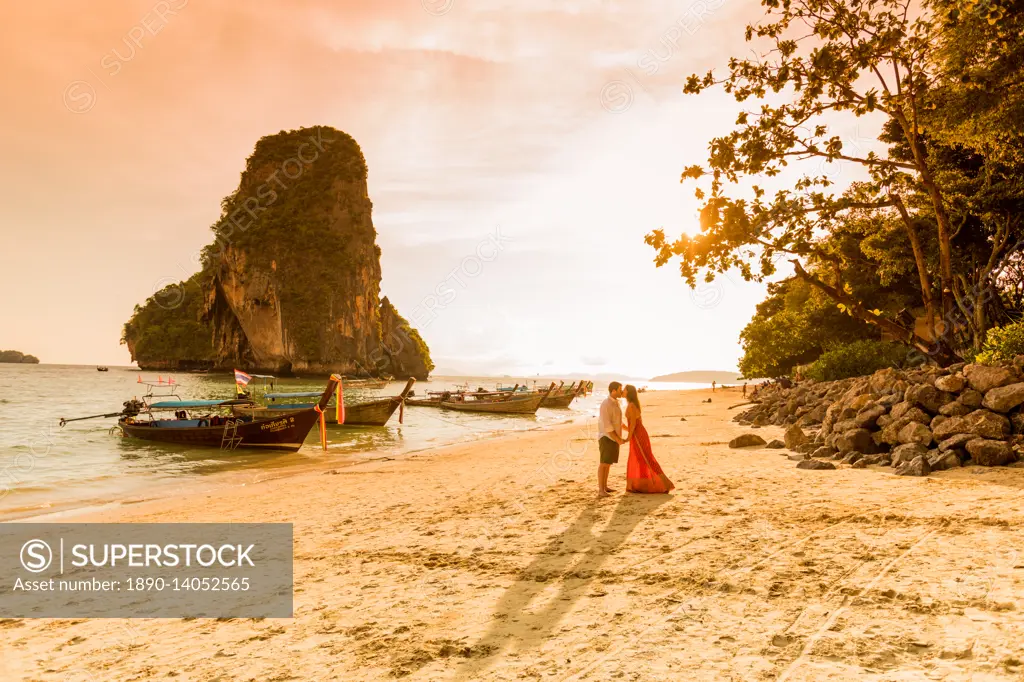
(494, 561)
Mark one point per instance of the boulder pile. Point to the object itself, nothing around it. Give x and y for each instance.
(916, 420)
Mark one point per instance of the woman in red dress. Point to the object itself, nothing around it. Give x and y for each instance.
(643, 473)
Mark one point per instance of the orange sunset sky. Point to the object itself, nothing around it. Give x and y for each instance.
(560, 126)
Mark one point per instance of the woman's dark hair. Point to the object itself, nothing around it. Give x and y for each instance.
(631, 396)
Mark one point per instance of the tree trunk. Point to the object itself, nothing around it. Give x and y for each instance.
(941, 217)
(919, 260)
(861, 312)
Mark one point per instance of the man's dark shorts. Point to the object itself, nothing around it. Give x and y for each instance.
(609, 450)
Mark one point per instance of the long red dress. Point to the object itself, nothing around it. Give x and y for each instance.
(643, 473)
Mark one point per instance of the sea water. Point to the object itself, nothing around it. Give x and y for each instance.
(45, 469)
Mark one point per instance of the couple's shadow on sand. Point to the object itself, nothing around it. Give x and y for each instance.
(573, 559)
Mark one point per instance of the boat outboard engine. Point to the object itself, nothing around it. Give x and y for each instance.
(132, 407)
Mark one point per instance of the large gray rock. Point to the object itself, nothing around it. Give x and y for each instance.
(1004, 398)
(918, 467)
(981, 423)
(952, 383)
(971, 398)
(941, 461)
(990, 453)
(823, 451)
(890, 399)
(775, 445)
(815, 464)
(852, 457)
(747, 440)
(795, 437)
(868, 417)
(984, 378)
(881, 459)
(956, 442)
(846, 425)
(903, 454)
(883, 380)
(909, 412)
(916, 433)
(956, 409)
(927, 396)
(859, 440)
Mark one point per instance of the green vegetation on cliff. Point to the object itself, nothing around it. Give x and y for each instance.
(168, 330)
(284, 217)
(405, 350)
(291, 282)
(16, 357)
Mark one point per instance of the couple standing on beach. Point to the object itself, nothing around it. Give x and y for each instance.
(643, 473)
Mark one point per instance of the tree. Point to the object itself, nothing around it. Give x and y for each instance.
(979, 59)
(793, 326)
(855, 57)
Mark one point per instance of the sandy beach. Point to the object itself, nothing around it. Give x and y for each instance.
(493, 561)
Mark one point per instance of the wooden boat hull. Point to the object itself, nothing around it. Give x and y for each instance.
(373, 413)
(284, 432)
(558, 401)
(423, 402)
(527, 405)
(370, 413)
(281, 432)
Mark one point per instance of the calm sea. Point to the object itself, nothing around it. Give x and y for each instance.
(46, 469)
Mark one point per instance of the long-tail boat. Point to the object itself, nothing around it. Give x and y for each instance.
(194, 423)
(561, 397)
(434, 398)
(495, 402)
(369, 413)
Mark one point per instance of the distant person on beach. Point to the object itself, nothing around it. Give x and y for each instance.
(713, 386)
(609, 428)
(643, 473)
(744, 389)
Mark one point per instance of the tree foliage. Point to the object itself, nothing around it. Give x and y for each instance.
(1003, 343)
(857, 358)
(169, 328)
(941, 213)
(792, 327)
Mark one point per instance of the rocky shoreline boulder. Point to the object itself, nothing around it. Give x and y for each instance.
(918, 420)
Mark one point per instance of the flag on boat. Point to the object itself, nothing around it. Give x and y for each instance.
(339, 402)
(241, 378)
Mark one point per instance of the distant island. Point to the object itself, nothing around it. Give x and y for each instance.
(701, 377)
(17, 357)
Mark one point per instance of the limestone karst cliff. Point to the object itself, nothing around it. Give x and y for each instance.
(291, 283)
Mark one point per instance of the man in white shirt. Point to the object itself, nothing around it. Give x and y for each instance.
(609, 426)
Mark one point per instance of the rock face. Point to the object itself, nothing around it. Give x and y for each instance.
(922, 420)
(990, 453)
(1004, 398)
(794, 437)
(984, 378)
(980, 423)
(815, 464)
(747, 440)
(292, 282)
(918, 467)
